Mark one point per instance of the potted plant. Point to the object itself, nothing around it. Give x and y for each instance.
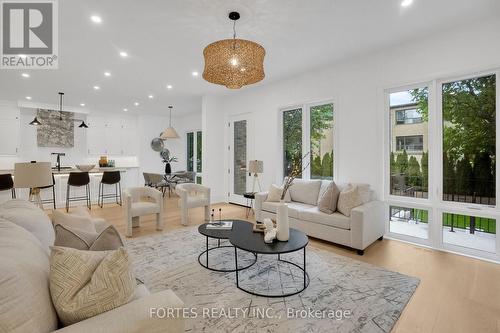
(167, 159)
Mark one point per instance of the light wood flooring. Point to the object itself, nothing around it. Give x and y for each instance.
(456, 293)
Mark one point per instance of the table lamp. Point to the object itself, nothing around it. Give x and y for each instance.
(255, 167)
(33, 176)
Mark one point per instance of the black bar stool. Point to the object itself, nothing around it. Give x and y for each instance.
(53, 200)
(7, 183)
(78, 179)
(110, 178)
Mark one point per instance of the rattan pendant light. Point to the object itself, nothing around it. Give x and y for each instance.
(234, 63)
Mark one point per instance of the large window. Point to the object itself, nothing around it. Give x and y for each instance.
(194, 153)
(308, 131)
(459, 203)
(469, 140)
(409, 172)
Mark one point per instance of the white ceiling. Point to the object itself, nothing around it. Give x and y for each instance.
(165, 41)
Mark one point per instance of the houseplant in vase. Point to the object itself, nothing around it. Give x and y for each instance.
(167, 159)
(282, 223)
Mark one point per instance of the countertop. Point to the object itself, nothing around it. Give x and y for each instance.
(67, 171)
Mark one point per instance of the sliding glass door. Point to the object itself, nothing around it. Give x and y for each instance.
(441, 165)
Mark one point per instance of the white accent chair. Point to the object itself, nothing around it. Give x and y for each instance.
(134, 207)
(191, 196)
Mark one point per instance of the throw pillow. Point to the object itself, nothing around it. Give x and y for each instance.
(108, 239)
(84, 284)
(74, 221)
(328, 201)
(274, 194)
(348, 199)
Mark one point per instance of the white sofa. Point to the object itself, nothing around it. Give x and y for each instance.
(358, 231)
(25, 303)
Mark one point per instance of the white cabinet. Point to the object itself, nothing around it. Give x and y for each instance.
(112, 135)
(9, 130)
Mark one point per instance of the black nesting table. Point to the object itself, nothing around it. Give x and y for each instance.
(243, 238)
(220, 234)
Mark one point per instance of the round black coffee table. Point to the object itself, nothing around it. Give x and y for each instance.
(220, 234)
(243, 238)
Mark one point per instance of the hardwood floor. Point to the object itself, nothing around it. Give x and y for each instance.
(456, 293)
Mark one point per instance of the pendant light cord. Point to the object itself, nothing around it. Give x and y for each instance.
(234, 35)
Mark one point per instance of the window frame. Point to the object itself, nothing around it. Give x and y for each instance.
(435, 204)
(195, 153)
(306, 139)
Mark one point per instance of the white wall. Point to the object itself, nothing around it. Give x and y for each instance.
(151, 127)
(356, 86)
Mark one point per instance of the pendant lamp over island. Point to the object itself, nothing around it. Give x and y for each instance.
(234, 63)
(35, 121)
(170, 132)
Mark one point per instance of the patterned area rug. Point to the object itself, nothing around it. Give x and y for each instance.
(344, 295)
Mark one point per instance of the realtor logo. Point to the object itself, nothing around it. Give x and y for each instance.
(29, 34)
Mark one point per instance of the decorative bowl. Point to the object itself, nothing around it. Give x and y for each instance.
(85, 167)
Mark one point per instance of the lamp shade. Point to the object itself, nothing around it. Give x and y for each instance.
(32, 175)
(255, 166)
(169, 133)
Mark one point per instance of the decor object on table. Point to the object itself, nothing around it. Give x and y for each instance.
(84, 284)
(282, 221)
(191, 196)
(33, 176)
(169, 132)
(255, 167)
(135, 207)
(25, 301)
(364, 226)
(167, 159)
(85, 167)
(269, 231)
(103, 161)
(234, 62)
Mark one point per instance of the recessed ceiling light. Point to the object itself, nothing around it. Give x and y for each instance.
(107, 74)
(406, 3)
(125, 109)
(97, 87)
(123, 54)
(82, 104)
(96, 19)
(195, 73)
(25, 75)
(136, 103)
(28, 98)
(169, 86)
(150, 96)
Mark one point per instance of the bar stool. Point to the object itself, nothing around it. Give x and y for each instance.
(110, 178)
(53, 201)
(7, 183)
(78, 179)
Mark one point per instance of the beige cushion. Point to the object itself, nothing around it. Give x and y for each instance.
(274, 194)
(25, 303)
(314, 215)
(108, 239)
(144, 208)
(327, 203)
(99, 223)
(293, 208)
(30, 217)
(348, 199)
(74, 221)
(305, 191)
(84, 284)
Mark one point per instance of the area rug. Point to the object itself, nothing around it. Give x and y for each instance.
(344, 295)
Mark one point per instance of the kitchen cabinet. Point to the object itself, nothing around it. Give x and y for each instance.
(112, 135)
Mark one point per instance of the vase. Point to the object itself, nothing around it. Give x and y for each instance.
(282, 224)
(168, 169)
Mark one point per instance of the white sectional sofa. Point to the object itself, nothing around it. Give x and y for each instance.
(364, 226)
(26, 233)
